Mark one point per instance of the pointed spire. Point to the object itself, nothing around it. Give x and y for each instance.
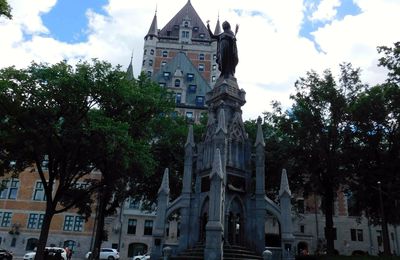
(284, 184)
(221, 122)
(260, 135)
(153, 31)
(217, 30)
(190, 138)
(217, 165)
(164, 187)
(129, 71)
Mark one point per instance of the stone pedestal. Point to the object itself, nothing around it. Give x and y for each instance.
(214, 242)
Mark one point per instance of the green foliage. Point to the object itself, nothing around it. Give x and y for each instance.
(5, 9)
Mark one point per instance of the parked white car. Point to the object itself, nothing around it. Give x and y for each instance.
(106, 253)
(50, 250)
(142, 257)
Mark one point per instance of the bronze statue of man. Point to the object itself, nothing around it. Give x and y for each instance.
(227, 55)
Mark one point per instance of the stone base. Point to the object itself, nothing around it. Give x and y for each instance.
(214, 241)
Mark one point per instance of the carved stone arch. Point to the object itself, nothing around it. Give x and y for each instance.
(240, 201)
(235, 219)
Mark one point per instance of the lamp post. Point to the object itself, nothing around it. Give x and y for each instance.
(385, 233)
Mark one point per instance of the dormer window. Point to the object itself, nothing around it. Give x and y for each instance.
(185, 34)
(162, 84)
(201, 56)
(195, 29)
(176, 27)
(150, 63)
(201, 67)
(165, 53)
(178, 98)
(163, 63)
(177, 83)
(145, 52)
(190, 77)
(152, 52)
(202, 35)
(192, 88)
(186, 24)
(199, 101)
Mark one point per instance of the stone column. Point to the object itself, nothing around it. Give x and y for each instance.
(159, 225)
(286, 217)
(214, 228)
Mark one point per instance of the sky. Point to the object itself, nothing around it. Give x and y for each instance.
(278, 40)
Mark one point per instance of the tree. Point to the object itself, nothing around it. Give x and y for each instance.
(127, 116)
(376, 115)
(317, 130)
(5, 9)
(59, 115)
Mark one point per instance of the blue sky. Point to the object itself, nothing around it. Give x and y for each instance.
(278, 40)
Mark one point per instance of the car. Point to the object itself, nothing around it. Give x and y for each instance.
(142, 257)
(50, 251)
(5, 254)
(106, 253)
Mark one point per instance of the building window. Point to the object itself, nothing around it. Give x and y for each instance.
(201, 67)
(189, 115)
(10, 189)
(201, 35)
(185, 34)
(201, 56)
(300, 206)
(163, 63)
(73, 223)
(132, 226)
(149, 73)
(356, 234)
(195, 29)
(152, 52)
(148, 227)
(178, 98)
(166, 75)
(165, 53)
(133, 204)
(214, 67)
(177, 83)
(150, 63)
(192, 88)
(162, 84)
(13, 242)
(145, 51)
(35, 221)
(38, 193)
(302, 228)
(214, 56)
(5, 219)
(199, 101)
(190, 77)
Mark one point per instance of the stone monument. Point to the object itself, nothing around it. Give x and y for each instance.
(223, 201)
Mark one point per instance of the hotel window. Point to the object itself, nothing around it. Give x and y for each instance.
(166, 75)
(149, 73)
(10, 189)
(300, 206)
(152, 52)
(162, 84)
(133, 204)
(214, 67)
(38, 193)
(201, 56)
(144, 62)
(213, 79)
(73, 223)
(199, 101)
(148, 227)
(132, 226)
(192, 88)
(214, 56)
(185, 34)
(201, 35)
(195, 29)
(35, 221)
(190, 77)
(163, 63)
(150, 63)
(201, 67)
(177, 83)
(5, 219)
(189, 115)
(178, 98)
(145, 52)
(165, 53)
(186, 24)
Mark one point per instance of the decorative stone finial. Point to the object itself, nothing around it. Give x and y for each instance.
(260, 135)
(284, 184)
(190, 138)
(217, 165)
(165, 183)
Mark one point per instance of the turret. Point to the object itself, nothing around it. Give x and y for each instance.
(129, 71)
(150, 44)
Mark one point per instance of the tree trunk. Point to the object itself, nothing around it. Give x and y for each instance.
(103, 198)
(44, 234)
(329, 231)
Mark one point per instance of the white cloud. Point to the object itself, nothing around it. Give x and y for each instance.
(326, 10)
(272, 54)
